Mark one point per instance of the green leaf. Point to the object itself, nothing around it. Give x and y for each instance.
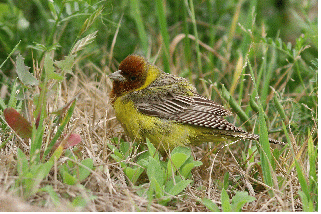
(164, 200)
(312, 152)
(172, 182)
(51, 5)
(225, 181)
(279, 107)
(181, 159)
(154, 170)
(2, 104)
(66, 64)
(50, 69)
(125, 149)
(89, 21)
(302, 180)
(239, 200)
(23, 72)
(180, 149)
(253, 104)
(179, 187)
(307, 206)
(22, 163)
(265, 152)
(53, 195)
(39, 172)
(37, 136)
(143, 162)
(187, 168)
(27, 182)
(210, 205)
(133, 173)
(111, 147)
(117, 156)
(175, 162)
(13, 96)
(83, 171)
(152, 149)
(14, 49)
(68, 178)
(79, 201)
(157, 187)
(225, 200)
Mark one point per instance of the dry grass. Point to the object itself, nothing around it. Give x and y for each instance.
(107, 189)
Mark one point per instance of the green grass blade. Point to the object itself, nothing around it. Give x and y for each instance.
(210, 205)
(13, 50)
(13, 96)
(234, 23)
(312, 152)
(60, 129)
(225, 200)
(279, 107)
(265, 151)
(268, 75)
(313, 178)
(41, 172)
(135, 13)
(164, 31)
(197, 46)
(234, 105)
(187, 44)
(37, 136)
(302, 180)
(250, 20)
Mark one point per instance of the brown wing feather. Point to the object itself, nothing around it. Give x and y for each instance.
(194, 110)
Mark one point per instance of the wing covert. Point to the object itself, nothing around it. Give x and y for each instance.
(194, 110)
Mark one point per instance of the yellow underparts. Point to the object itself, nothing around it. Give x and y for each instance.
(164, 134)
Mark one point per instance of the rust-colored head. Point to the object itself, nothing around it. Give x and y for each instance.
(131, 75)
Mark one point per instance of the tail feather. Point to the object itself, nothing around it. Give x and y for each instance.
(257, 137)
(241, 134)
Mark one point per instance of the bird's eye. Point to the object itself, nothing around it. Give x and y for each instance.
(132, 78)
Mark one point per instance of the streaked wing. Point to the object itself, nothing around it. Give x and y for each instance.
(194, 110)
(165, 107)
(205, 105)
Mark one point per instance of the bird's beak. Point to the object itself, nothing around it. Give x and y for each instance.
(117, 76)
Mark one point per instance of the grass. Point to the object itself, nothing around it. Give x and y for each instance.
(257, 65)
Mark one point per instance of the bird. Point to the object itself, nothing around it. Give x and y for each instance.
(167, 109)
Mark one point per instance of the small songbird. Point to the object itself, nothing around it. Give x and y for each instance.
(166, 109)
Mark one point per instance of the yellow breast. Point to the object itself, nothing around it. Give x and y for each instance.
(159, 131)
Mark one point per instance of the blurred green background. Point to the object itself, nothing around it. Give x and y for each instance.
(34, 21)
(279, 37)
